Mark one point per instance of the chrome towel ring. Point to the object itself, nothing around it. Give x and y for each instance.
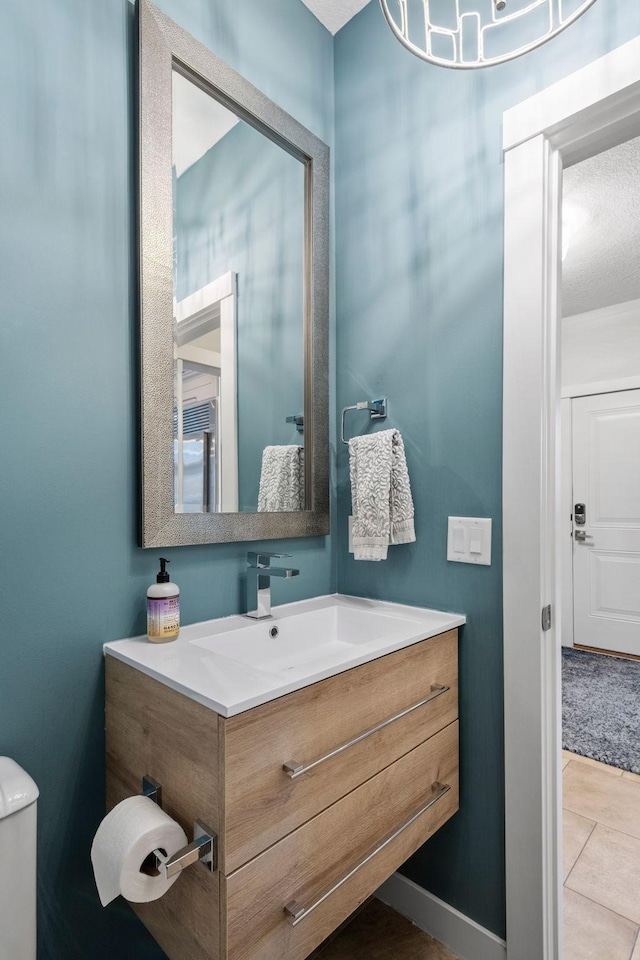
(377, 411)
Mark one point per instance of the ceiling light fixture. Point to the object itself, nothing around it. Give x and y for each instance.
(467, 34)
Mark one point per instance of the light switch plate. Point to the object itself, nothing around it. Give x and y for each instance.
(350, 521)
(469, 540)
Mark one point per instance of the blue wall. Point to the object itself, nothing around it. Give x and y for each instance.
(419, 275)
(240, 207)
(419, 201)
(71, 572)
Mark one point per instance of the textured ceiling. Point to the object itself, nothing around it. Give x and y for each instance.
(602, 266)
(335, 13)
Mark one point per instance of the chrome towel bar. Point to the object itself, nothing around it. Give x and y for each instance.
(295, 769)
(298, 419)
(377, 411)
(296, 912)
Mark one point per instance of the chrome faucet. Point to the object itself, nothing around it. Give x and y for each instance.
(259, 582)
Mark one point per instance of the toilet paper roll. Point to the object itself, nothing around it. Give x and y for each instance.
(125, 838)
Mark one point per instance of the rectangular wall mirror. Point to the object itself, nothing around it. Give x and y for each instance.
(234, 243)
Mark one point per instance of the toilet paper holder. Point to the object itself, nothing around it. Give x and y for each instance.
(203, 848)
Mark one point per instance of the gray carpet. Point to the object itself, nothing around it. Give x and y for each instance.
(601, 708)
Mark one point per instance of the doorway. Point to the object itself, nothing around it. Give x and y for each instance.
(600, 552)
(591, 111)
(600, 401)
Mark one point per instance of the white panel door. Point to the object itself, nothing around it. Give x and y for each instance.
(606, 563)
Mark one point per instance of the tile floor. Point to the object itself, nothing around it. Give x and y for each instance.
(601, 860)
(601, 870)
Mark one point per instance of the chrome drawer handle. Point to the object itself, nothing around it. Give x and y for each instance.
(295, 912)
(295, 769)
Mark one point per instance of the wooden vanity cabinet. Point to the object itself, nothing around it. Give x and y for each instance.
(290, 842)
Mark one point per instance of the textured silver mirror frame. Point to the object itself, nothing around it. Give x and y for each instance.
(165, 46)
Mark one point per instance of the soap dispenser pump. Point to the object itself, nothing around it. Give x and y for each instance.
(163, 607)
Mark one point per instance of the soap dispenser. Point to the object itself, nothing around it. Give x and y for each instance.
(163, 607)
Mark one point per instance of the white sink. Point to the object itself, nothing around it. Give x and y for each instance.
(234, 663)
(317, 638)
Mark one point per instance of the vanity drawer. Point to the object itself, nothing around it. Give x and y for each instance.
(263, 804)
(317, 867)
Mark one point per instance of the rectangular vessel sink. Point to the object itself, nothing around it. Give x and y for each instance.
(234, 663)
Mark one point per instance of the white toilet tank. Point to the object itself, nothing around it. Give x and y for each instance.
(18, 795)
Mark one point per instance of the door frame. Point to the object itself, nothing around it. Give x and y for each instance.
(219, 300)
(589, 111)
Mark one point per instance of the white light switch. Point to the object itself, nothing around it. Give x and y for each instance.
(475, 540)
(469, 540)
(459, 539)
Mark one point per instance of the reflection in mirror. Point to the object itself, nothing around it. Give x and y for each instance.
(196, 432)
(238, 265)
(205, 406)
(234, 303)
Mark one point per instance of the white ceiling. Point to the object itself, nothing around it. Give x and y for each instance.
(335, 13)
(602, 266)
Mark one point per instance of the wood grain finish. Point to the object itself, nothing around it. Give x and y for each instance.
(153, 730)
(280, 839)
(263, 804)
(308, 862)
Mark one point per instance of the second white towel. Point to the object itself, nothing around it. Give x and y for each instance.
(381, 499)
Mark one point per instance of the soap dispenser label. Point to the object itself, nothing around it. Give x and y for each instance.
(163, 617)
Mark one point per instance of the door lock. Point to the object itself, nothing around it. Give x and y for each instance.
(580, 514)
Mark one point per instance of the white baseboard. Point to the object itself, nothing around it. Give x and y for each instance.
(461, 934)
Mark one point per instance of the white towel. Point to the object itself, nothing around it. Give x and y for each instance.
(281, 479)
(381, 499)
